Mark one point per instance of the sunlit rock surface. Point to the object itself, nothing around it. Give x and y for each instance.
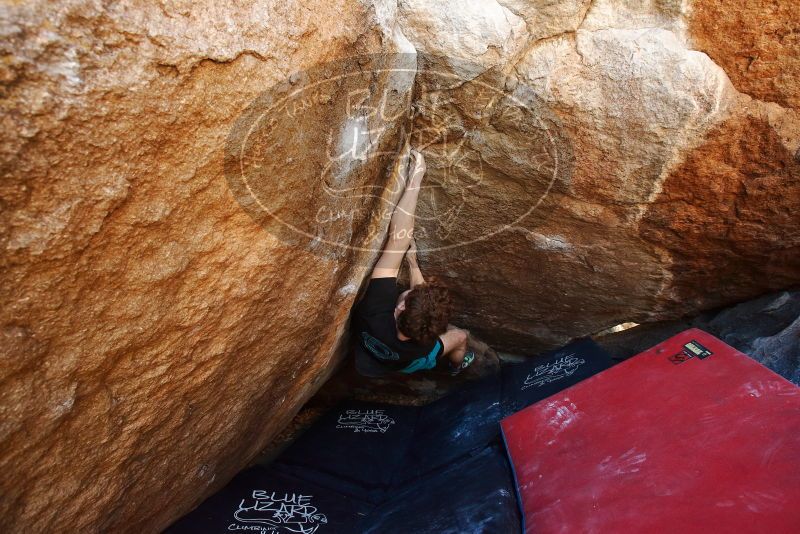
(638, 185)
(155, 336)
(590, 163)
(755, 42)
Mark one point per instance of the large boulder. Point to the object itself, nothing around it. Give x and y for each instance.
(154, 335)
(602, 172)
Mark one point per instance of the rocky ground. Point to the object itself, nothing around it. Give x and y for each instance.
(767, 329)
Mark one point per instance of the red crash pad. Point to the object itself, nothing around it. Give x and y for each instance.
(689, 436)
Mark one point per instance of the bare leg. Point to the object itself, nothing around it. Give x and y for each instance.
(456, 356)
(455, 345)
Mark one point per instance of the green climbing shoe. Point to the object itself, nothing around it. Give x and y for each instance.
(469, 357)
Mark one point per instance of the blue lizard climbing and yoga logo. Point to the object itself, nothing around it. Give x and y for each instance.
(274, 512)
(365, 421)
(553, 371)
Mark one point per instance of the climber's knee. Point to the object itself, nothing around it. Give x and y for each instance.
(454, 339)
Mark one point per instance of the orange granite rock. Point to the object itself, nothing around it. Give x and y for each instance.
(756, 42)
(154, 336)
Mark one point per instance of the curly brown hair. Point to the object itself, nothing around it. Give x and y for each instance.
(427, 313)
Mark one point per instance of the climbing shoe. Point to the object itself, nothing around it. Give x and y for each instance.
(466, 362)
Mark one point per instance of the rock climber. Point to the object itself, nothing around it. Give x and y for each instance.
(406, 331)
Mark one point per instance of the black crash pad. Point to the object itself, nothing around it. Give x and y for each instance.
(474, 495)
(529, 382)
(263, 500)
(467, 420)
(355, 448)
(379, 468)
(463, 422)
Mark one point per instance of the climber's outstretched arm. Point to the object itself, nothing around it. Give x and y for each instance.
(415, 274)
(401, 227)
